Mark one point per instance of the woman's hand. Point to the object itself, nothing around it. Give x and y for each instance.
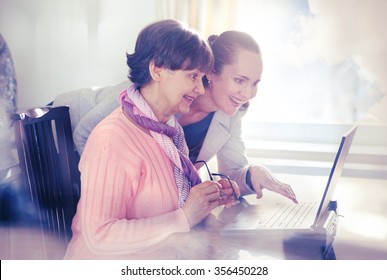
(261, 178)
(229, 193)
(201, 200)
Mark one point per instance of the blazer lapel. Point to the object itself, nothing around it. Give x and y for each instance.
(217, 135)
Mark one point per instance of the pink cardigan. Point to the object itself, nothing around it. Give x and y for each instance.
(129, 198)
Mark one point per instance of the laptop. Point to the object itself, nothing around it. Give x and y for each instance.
(257, 216)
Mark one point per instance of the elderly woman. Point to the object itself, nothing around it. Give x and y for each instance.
(138, 184)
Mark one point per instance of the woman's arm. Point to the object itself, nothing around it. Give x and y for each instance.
(104, 103)
(232, 160)
(111, 220)
(231, 157)
(128, 198)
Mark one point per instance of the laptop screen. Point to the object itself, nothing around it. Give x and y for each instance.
(336, 171)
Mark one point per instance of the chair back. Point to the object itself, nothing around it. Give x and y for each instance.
(49, 165)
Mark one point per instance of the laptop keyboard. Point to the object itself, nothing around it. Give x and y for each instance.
(289, 215)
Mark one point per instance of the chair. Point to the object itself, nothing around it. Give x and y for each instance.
(49, 166)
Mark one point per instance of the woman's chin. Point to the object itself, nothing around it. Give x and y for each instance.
(231, 111)
(184, 109)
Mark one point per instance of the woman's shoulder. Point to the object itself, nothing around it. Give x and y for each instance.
(115, 124)
(117, 132)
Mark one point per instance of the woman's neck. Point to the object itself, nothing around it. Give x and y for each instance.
(156, 105)
(199, 109)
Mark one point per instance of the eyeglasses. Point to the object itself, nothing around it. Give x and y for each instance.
(233, 196)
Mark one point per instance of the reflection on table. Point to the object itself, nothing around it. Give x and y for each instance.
(362, 230)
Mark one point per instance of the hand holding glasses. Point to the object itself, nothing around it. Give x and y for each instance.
(230, 199)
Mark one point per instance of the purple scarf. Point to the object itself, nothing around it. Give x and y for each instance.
(169, 136)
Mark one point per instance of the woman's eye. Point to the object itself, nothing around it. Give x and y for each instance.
(239, 81)
(194, 76)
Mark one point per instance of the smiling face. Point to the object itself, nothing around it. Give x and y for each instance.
(237, 83)
(177, 90)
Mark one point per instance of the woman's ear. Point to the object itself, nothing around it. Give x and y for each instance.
(155, 71)
(210, 76)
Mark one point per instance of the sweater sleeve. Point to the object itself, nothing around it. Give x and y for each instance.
(125, 206)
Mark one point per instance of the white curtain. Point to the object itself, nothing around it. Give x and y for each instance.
(206, 16)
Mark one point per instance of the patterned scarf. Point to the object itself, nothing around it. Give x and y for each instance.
(169, 136)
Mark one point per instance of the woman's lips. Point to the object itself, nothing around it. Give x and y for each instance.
(236, 102)
(189, 99)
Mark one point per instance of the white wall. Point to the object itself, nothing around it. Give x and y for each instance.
(62, 45)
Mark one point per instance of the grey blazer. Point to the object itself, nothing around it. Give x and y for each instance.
(223, 140)
(88, 107)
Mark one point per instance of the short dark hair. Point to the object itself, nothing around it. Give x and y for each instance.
(226, 44)
(170, 45)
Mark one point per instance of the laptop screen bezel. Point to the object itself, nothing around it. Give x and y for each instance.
(335, 174)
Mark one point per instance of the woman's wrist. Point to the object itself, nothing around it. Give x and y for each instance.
(249, 183)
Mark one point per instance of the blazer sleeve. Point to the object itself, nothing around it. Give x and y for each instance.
(102, 108)
(232, 158)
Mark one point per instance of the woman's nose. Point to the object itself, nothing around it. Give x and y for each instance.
(249, 92)
(200, 87)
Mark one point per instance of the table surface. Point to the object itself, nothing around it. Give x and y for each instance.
(362, 230)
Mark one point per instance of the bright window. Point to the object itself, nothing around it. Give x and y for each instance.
(318, 66)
